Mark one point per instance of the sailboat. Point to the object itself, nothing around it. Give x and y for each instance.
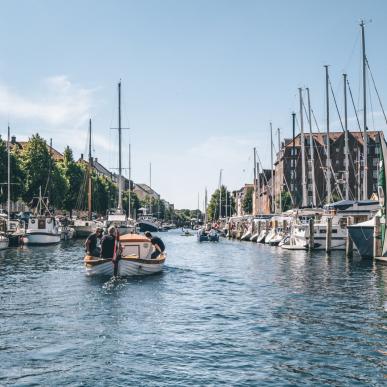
(4, 240)
(42, 228)
(82, 227)
(117, 217)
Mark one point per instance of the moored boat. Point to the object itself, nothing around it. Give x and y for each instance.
(4, 242)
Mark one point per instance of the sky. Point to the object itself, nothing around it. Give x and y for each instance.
(201, 79)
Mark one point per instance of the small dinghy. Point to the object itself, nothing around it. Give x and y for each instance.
(134, 260)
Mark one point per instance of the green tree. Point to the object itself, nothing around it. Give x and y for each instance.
(213, 206)
(35, 165)
(286, 201)
(74, 176)
(247, 203)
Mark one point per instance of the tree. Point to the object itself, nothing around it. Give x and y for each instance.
(74, 176)
(286, 201)
(247, 203)
(213, 206)
(35, 164)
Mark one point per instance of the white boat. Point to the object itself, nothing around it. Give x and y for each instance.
(66, 232)
(119, 220)
(42, 229)
(135, 259)
(83, 228)
(262, 236)
(4, 242)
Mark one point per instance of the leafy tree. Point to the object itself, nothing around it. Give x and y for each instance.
(247, 203)
(213, 206)
(134, 200)
(35, 165)
(74, 176)
(286, 201)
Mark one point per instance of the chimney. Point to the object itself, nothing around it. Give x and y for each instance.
(81, 156)
(13, 140)
(96, 159)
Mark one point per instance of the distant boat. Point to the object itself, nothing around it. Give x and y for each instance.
(147, 222)
(42, 228)
(207, 236)
(4, 242)
(135, 259)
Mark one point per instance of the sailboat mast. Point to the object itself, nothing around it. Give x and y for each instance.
(365, 151)
(259, 189)
(130, 182)
(328, 161)
(302, 138)
(119, 149)
(279, 178)
(205, 206)
(220, 194)
(9, 176)
(311, 146)
(255, 182)
(346, 152)
(272, 209)
(89, 175)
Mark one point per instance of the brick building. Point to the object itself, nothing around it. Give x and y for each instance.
(288, 166)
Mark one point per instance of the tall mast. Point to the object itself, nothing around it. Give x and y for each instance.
(279, 178)
(293, 187)
(255, 183)
(9, 176)
(346, 151)
(205, 206)
(89, 175)
(328, 162)
(311, 145)
(302, 138)
(197, 213)
(365, 151)
(272, 209)
(259, 190)
(119, 149)
(220, 194)
(130, 182)
(225, 189)
(150, 186)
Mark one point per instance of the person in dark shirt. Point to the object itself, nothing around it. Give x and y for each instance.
(157, 243)
(108, 242)
(92, 241)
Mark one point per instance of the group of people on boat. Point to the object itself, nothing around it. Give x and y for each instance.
(105, 246)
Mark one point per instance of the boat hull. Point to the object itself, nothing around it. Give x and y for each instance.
(363, 239)
(147, 227)
(4, 243)
(126, 267)
(40, 239)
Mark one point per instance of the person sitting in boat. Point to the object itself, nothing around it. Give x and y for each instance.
(108, 243)
(91, 244)
(157, 243)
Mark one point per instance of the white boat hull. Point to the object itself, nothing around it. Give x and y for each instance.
(127, 267)
(40, 239)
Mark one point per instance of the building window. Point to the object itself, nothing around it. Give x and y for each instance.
(293, 174)
(293, 152)
(377, 149)
(292, 187)
(293, 163)
(375, 174)
(337, 150)
(310, 187)
(337, 162)
(375, 162)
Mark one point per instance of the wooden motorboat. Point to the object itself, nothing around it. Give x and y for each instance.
(134, 260)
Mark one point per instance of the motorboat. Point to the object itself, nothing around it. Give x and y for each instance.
(42, 227)
(147, 223)
(119, 220)
(207, 236)
(135, 259)
(262, 236)
(83, 228)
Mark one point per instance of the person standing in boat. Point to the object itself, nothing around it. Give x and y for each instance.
(91, 244)
(109, 243)
(157, 243)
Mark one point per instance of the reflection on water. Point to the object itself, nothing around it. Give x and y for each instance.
(232, 313)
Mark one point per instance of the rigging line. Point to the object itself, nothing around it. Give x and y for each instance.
(371, 104)
(337, 108)
(353, 105)
(376, 90)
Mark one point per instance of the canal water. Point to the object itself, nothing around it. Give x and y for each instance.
(233, 313)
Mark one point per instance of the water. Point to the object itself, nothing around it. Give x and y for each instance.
(233, 313)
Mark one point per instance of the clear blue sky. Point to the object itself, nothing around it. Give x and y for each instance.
(201, 79)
